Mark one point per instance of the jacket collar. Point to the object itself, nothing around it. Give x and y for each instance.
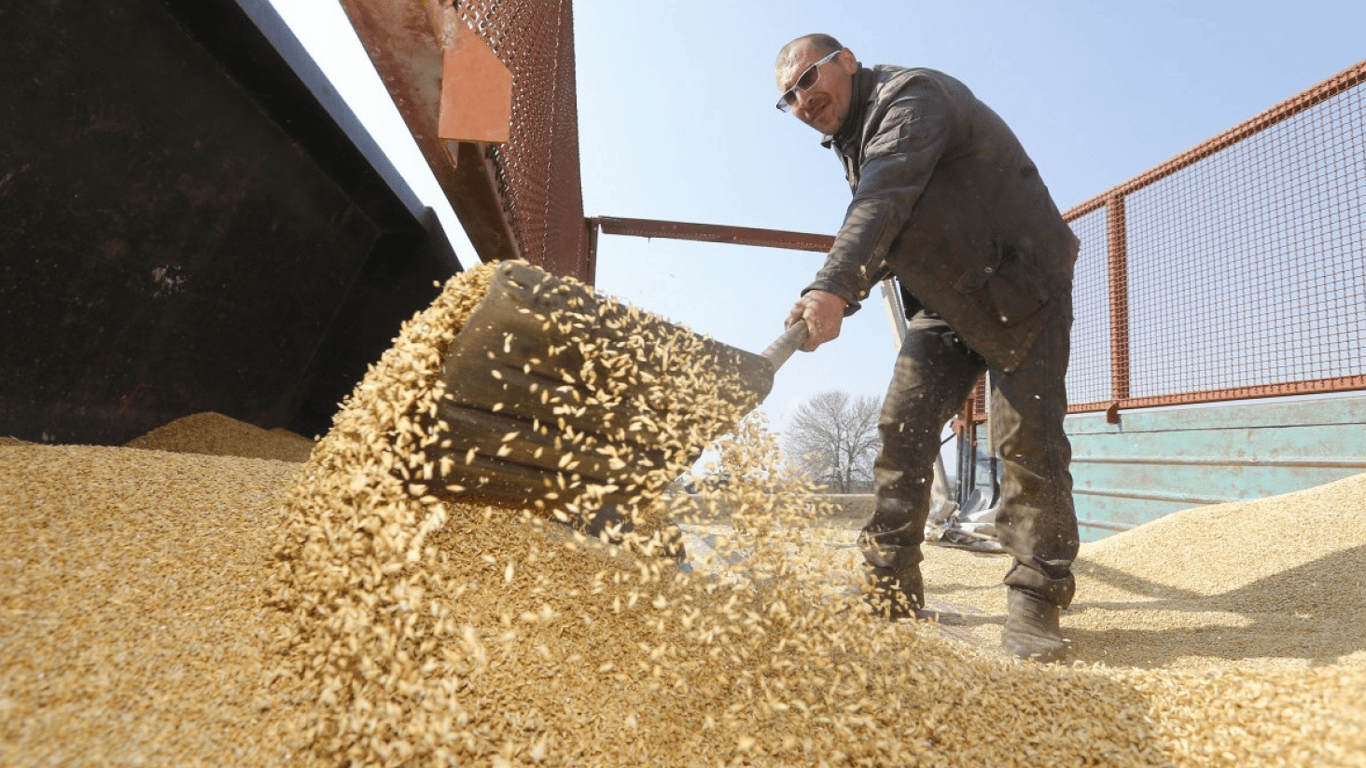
(858, 106)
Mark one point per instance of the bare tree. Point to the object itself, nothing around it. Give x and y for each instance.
(834, 437)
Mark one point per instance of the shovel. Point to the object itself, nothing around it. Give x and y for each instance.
(569, 402)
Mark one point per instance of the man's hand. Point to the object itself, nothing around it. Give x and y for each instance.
(823, 313)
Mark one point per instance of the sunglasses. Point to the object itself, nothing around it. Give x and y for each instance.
(810, 77)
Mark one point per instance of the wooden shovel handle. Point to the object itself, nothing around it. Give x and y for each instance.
(782, 348)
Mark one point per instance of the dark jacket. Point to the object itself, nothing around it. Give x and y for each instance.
(946, 199)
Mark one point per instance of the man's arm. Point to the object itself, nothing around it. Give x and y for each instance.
(898, 163)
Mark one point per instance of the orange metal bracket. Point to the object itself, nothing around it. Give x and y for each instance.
(476, 93)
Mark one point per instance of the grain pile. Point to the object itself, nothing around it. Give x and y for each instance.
(214, 434)
(1266, 584)
(133, 623)
(406, 629)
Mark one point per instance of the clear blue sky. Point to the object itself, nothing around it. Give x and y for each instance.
(676, 121)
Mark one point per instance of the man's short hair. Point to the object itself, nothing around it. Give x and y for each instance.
(821, 40)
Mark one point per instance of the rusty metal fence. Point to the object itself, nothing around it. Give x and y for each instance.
(1235, 270)
(537, 169)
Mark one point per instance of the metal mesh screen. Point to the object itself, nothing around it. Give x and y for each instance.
(1089, 374)
(538, 167)
(1239, 269)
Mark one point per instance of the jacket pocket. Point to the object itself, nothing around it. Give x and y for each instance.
(1017, 291)
(971, 281)
(1013, 290)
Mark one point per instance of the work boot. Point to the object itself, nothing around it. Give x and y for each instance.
(1031, 631)
(609, 523)
(895, 589)
(896, 594)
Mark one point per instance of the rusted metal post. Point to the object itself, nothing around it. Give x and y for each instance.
(1118, 260)
(715, 233)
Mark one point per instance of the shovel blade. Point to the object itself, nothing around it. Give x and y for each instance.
(559, 398)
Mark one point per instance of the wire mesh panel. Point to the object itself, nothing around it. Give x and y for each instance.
(538, 167)
(1241, 265)
(1089, 373)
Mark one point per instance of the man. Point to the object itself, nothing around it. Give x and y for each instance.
(947, 201)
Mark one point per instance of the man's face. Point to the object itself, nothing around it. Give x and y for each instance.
(824, 105)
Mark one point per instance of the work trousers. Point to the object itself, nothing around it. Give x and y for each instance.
(1036, 521)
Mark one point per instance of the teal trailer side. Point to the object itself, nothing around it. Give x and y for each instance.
(1162, 460)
